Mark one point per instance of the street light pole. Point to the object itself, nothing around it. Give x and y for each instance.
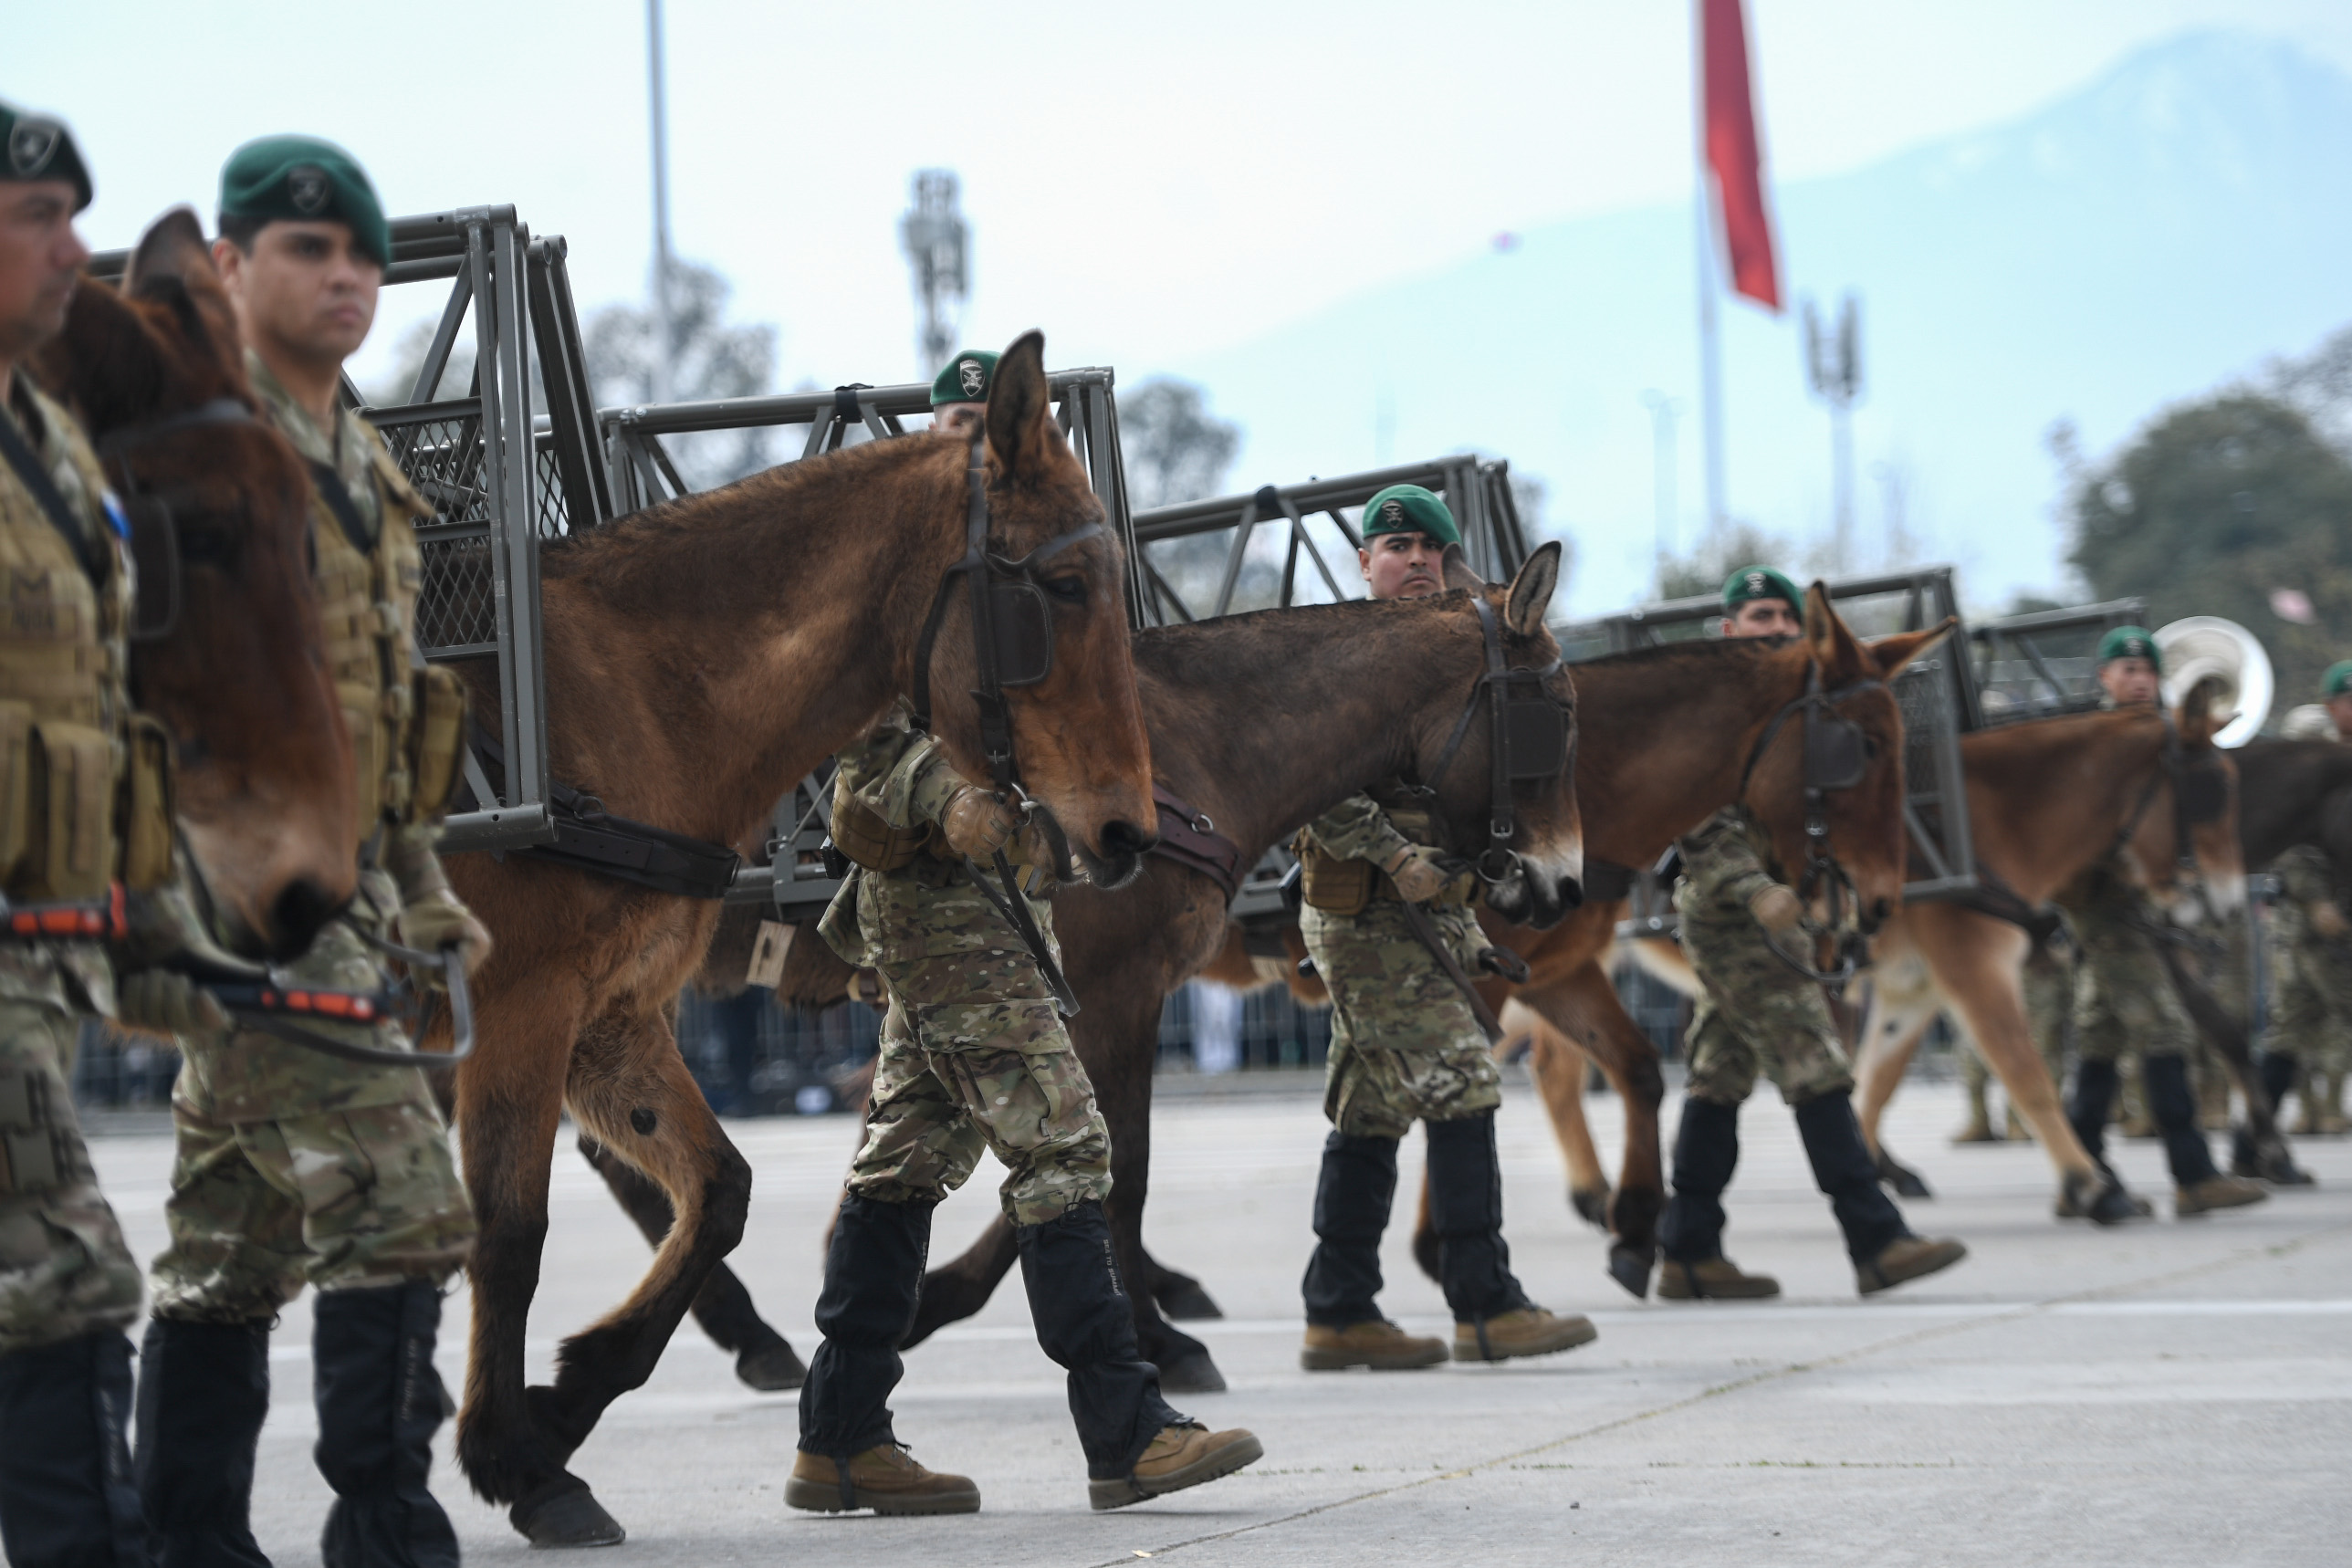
(1663, 411)
(665, 333)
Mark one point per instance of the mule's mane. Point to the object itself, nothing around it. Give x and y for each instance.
(772, 497)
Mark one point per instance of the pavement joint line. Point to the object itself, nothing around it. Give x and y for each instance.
(2242, 1254)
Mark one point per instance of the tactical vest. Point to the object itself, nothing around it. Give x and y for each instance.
(85, 785)
(404, 721)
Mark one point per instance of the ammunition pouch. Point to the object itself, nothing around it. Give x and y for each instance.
(434, 738)
(146, 806)
(866, 839)
(28, 1147)
(1335, 886)
(69, 849)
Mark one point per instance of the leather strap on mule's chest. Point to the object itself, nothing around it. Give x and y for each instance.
(1191, 841)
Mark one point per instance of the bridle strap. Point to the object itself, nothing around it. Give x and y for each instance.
(1502, 821)
(218, 411)
(1815, 698)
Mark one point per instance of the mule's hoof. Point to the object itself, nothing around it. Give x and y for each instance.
(1906, 1182)
(1630, 1269)
(565, 1513)
(1590, 1203)
(1191, 1374)
(773, 1370)
(1184, 1302)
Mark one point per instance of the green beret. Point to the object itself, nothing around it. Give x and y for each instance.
(966, 379)
(2338, 679)
(41, 147)
(302, 179)
(1759, 583)
(2131, 641)
(1409, 509)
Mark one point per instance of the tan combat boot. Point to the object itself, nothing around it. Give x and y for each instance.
(1717, 1279)
(2217, 1193)
(1378, 1344)
(1180, 1456)
(886, 1480)
(1913, 1258)
(2332, 1121)
(1528, 1330)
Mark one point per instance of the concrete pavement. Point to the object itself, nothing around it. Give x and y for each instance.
(2174, 1391)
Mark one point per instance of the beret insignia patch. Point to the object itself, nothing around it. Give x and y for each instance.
(307, 187)
(971, 377)
(32, 144)
(1392, 512)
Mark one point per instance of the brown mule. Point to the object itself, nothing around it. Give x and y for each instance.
(1391, 679)
(156, 374)
(701, 656)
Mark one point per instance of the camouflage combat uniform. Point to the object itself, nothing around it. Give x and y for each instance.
(973, 1053)
(2125, 1000)
(1404, 1043)
(1756, 1014)
(292, 1165)
(2311, 1017)
(65, 1271)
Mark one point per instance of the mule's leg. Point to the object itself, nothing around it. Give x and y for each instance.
(509, 1098)
(764, 1359)
(1977, 961)
(1889, 1043)
(1559, 1068)
(1180, 1297)
(1584, 1006)
(630, 1090)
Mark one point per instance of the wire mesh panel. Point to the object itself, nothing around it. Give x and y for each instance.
(2046, 661)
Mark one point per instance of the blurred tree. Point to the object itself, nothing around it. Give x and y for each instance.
(1704, 570)
(2214, 508)
(2320, 385)
(1176, 450)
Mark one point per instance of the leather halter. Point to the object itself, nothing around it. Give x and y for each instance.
(156, 553)
(1824, 872)
(1498, 860)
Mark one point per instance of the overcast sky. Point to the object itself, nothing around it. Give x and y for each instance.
(1143, 182)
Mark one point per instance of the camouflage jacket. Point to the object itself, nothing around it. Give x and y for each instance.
(2306, 881)
(1726, 863)
(2106, 907)
(1361, 828)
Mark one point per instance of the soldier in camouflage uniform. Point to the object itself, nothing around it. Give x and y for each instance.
(2124, 996)
(1757, 1014)
(1406, 1045)
(2309, 1044)
(294, 1167)
(68, 1286)
(973, 1057)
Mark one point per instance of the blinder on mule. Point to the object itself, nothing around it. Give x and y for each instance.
(1836, 757)
(1533, 741)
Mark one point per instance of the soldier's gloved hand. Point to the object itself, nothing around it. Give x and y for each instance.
(976, 823)
(1776, 908)
(1417, 875)
(162, 1003)
(437, 920)
(2327, 919)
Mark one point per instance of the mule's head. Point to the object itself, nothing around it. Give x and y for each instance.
(1537, 874)
(2184, 848)
(1077, 733)
(1855, 739)
(239, 676)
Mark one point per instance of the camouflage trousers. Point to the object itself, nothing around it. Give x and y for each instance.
(974, 1057)
(2125, 1003)
(1404, 1044)
(2311, 1017)
(294, 1167)
(1755, 1015)
(65, 1270)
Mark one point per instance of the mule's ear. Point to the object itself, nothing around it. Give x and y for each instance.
(1020, 407)
(2204, 712)
(1893, 653)
(1456, 568)
(173, 246)
(1833, 646)
(1531, 591)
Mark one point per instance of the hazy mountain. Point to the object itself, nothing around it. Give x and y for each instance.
(2171, 224)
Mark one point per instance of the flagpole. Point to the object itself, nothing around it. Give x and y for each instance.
(1710, 347)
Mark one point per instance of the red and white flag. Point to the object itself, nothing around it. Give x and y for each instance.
(1733, 154)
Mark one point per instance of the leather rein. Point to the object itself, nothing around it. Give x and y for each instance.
(1833, 759)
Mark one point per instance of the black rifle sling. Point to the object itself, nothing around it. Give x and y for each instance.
(338, 497)
(1418, 918)
(37, 479)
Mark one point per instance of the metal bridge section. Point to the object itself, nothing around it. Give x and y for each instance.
(1937, 693)
(1478, 492)
(2046, 662)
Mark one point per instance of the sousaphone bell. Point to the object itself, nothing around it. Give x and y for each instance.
(2198, 647)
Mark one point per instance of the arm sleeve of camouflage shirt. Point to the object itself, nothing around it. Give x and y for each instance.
(1720, 864)
(901, 775)
(1357, 829)
(2303, 877)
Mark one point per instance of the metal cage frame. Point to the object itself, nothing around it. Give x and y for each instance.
(2043, 687)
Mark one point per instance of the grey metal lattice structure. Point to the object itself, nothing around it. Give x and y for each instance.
(1477, 492)
(1936, 692)
(639, 471)
(2045, 661)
